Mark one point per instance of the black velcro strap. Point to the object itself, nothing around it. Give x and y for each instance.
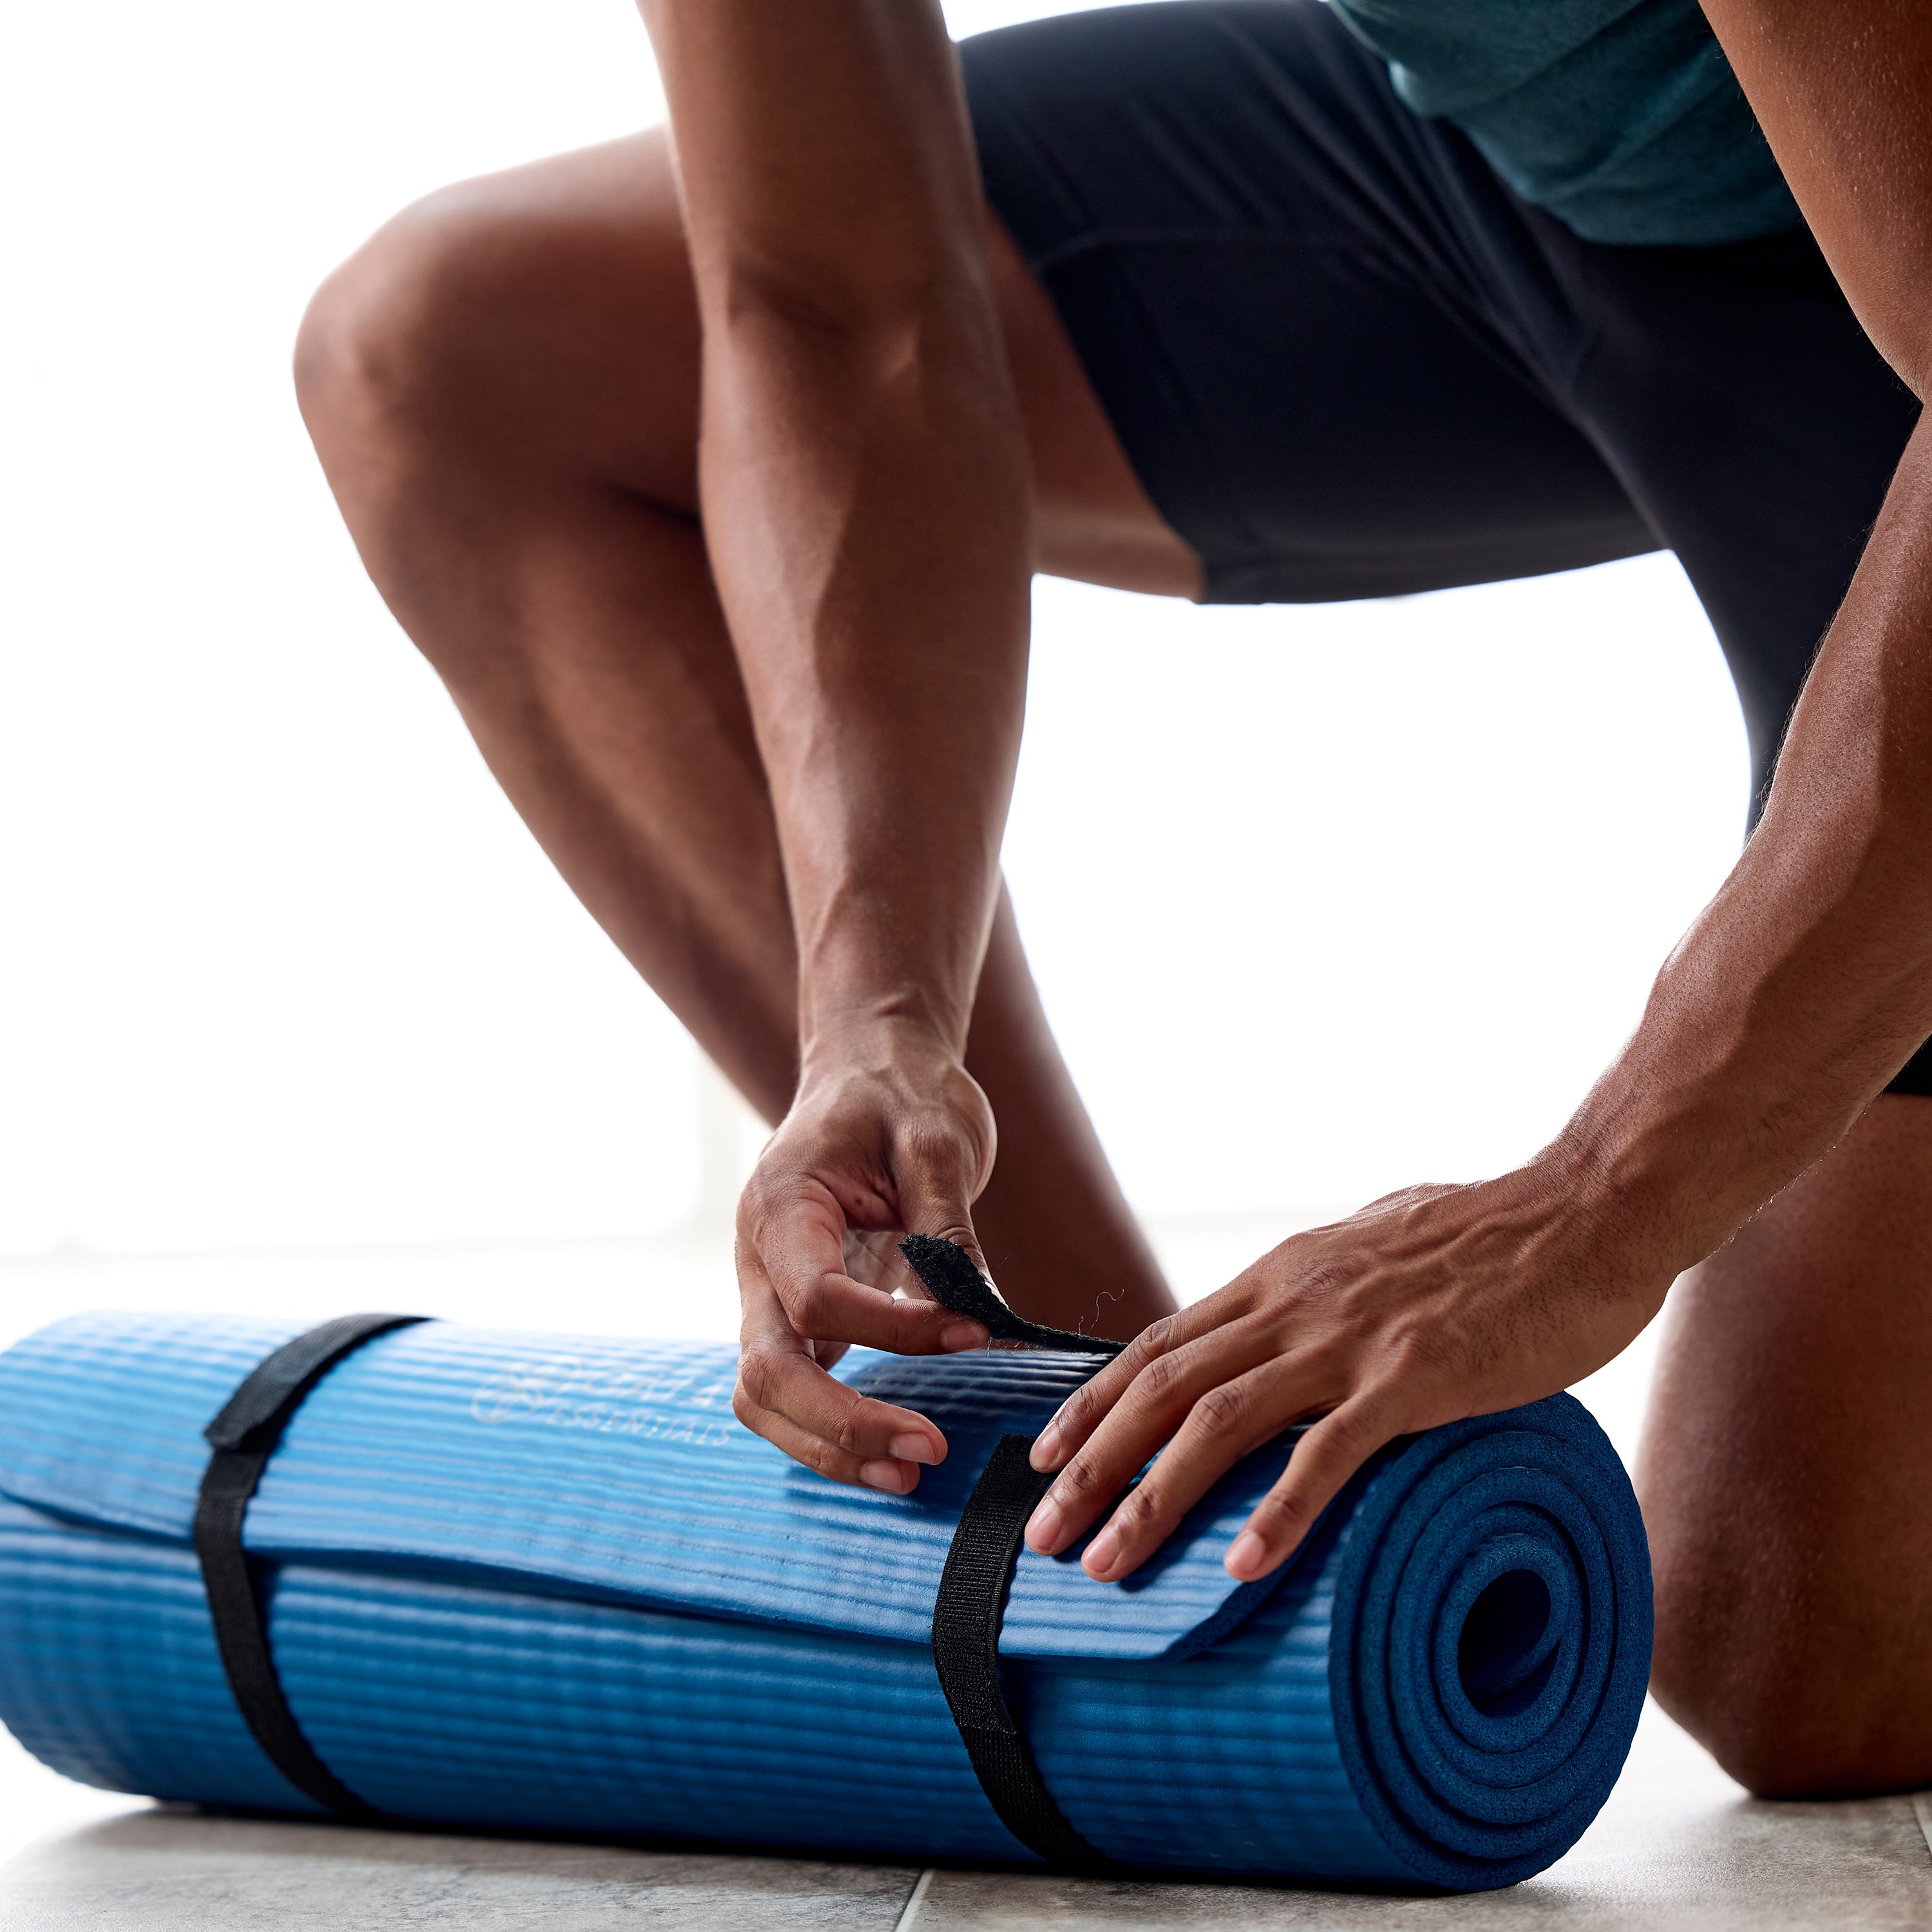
(951, 1277)
(244, 1436)
(966, 1620)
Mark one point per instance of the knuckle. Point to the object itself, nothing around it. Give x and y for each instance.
(1078, 1480)
(927, 1143)
(1348, 1432)
(804, 1303)
(778, 1189)
(1221, 1412)
(935, 1143)
(1158, 1382)
(1277, 1511)
(1143, 1507)
(1324, 1279)
(757, 1376)
(1152, 1343)
(755, 1199)
(1076, 1414)
(747, 1411)
(1422, 1352)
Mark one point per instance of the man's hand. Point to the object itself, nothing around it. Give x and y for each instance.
(1432, 1304)
(890, 1135)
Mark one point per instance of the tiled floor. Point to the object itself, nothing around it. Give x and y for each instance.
(1678, 1846)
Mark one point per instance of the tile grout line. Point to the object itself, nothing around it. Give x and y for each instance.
(1921, 1809)
(909, 1914)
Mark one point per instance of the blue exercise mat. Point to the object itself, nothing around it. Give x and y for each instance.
(549, 1584)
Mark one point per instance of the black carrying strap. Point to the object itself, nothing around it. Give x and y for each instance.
(966, 1620)
(244, 1436)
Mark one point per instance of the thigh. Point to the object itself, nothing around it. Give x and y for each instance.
(1757, 427)
(541, 325)
(1263, 260)
(1750, 417)
(1783, 1477)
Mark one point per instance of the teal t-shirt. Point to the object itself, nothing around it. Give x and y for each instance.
(1621, 117)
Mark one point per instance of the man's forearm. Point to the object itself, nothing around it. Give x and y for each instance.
(1807, 981)
(868, 503)
(865, 483)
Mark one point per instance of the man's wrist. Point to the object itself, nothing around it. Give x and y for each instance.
(888, 1030)
(1652, 1173)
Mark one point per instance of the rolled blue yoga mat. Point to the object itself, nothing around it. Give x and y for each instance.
(547, 1583)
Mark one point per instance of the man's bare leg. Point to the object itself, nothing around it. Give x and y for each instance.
(1787, 1477)
(503, 386)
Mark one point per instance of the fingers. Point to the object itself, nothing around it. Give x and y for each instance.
(1232, 1415)
(798, 1245)
(1217, 1399)
(1085, 1410)
(1212, 1383)
(1323, 1461)
(1149, 1412)
(895, 1475)
(784, 1395)
(1229, 1418)
(836, 1308)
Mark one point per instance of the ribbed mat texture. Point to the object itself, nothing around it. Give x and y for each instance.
(548, 1583)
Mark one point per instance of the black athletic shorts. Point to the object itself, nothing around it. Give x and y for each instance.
(1345, 361)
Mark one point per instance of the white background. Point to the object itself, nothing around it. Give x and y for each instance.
(1323, 901)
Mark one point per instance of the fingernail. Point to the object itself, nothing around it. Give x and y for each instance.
(1102, 1553)
(881, 1473)
(1043, 1531)
(1046, 1448)
(913, 1449)
(1247, 1556)
(958, 1335)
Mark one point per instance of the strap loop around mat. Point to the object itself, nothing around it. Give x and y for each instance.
(966, 1619)
(244, 1436)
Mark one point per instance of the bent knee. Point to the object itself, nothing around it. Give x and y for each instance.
(511, 334)
(380, 348)
(1777, 1743)
(1796, 1693)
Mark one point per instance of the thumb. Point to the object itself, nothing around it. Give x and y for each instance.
(937, 1175)
(942, 1253)
(940, 1211)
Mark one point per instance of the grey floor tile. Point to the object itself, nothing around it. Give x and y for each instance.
(157, 1871)
(1678, 1848)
